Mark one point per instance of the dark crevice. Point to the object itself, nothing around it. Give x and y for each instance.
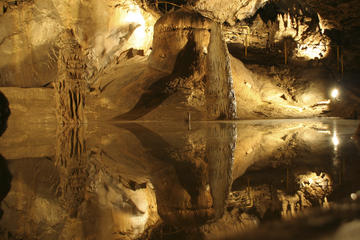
(4, 112)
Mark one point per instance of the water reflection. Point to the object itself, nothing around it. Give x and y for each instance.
(195, 175)
(4, 112)
(5, 180)
(151, 180)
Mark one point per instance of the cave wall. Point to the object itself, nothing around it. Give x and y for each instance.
(30, 29)
(189, 69)
(189, 50)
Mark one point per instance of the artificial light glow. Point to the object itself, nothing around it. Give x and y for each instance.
(335, 93)
(294, 107)
(133, 24)
(311, 181)
(313, 51)
(324, 131)
(323, 102)
(135, 16)
(335, 140)
(354, 196)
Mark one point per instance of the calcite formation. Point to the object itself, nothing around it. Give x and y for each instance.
(30, 29)
(228, 11)
(198, 42)
(70, 85)
(189, 71)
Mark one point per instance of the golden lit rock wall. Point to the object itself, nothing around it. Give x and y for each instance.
(191, 48)
(228, 11)
(104, 28)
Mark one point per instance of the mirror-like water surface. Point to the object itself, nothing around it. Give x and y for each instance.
(142, 180)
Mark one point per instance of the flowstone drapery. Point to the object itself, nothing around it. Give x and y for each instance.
(70, 84)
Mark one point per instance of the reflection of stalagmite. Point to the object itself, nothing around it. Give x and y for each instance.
(291, 204)
(71, 160)
(194, 182)
(70, 84)
(220, 154)
(314, 190)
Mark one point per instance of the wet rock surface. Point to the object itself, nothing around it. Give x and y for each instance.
(153, 69)
(203, 180)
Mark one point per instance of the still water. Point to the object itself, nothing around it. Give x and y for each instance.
(204, 180)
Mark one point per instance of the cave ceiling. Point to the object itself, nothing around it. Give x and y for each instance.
(335, 22)
(145, 66)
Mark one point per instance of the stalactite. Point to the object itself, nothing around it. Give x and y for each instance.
(70, 84)
(221, 102)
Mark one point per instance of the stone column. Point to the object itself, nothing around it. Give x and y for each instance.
(70, 84)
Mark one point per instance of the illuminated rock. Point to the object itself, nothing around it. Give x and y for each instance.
(103, 29)
(228, 11)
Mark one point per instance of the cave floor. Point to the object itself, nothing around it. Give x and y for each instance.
(184, 180)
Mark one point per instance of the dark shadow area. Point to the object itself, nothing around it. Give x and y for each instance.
(151, 141)
(149, 100)
(5, 180)
(272, 8)
(264, 57)
(158, 92)
(4, 113)
(180, 178)
(272, 55)
(165, 6)
(188, 173)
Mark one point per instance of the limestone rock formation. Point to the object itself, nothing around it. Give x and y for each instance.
(103, 28)
(192, 49)
(189, 70)
(66, 65)
(187, 73)
(228, 11)
(70, 85)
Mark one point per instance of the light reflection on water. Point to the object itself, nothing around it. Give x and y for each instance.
(104, 181)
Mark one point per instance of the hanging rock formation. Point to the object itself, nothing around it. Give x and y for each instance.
(191, 48)
(227, 11)
(29, 30)
(70, 85)
(188, 73)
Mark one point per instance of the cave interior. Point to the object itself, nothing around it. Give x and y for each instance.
(176, 119)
